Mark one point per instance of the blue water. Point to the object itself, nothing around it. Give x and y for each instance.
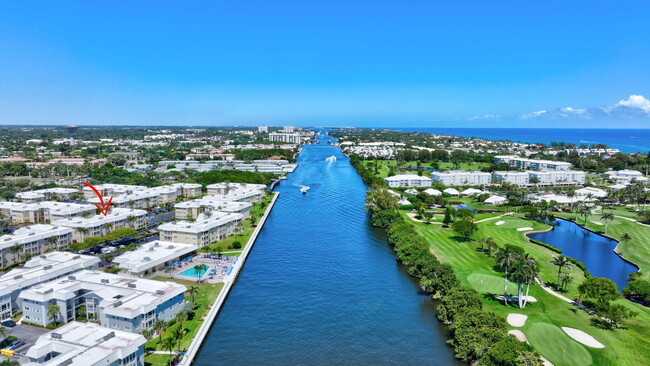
(626, 140)
(194, 272)
(595, 251)
(321, 287)
(460, 207)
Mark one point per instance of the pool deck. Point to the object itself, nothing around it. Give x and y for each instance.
(203, 331)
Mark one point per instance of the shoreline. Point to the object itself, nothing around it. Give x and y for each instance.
(199, 338)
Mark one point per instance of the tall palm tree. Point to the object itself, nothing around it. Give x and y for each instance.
(51, 242)
(159, 326)
(561, 262)
(607, 217)
(192, 290)
(16, 250)
(565, 280)
(485, 242)
(531, 270)
(178, 334)
(506, 259)
(624, 239)
(168, 344)
(53, 311)
(585, 211)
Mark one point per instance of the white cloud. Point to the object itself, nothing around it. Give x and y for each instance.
(486, 116)
(573, 112)
(532, 115)
(634, 101)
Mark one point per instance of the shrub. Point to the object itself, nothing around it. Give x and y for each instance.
(236, 245)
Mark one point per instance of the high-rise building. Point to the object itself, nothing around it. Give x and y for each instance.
(263, 129)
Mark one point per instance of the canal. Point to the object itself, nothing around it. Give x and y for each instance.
(595, 251)
(322, 287)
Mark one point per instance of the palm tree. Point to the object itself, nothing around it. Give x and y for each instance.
(565, 280)
(180, 318)
(168, 344)
(199, 270)
(83, 231)
(3, 333)
(607, 217)
(584, 212)
(561, 261)
(51, 241)
(178, 335)
(9, 362)
(53, 311)
(15, 251)
(159, 326)
(192, 290)
(531, 271)
(624, 239)
(506, 259)
(485, 241)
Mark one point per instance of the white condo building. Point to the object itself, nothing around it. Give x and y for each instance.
(461, 178)
(37, 270)
(557, 177)
(202, 232)
(100, 225)
(117, 301)
(33, 240)
(516, 178)
(408, 180)
(292, 138)
(533, 164)
(47, 194)
(626, 176)
(190, 209)
(87, 344)
(43, 212)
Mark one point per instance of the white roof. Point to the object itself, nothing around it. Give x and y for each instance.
(432, 192)
(451, 191)
(120, 295)
(44, 268)
(85, 344)
(218, 205)
(617, 186)
(32, 233)
(408, 177)
(115, 214)
(153, 254)
(495, 199)
(202, 224)
(470, 191)
(596, 192)
(412, 191)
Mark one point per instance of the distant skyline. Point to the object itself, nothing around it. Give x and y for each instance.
(429, 63)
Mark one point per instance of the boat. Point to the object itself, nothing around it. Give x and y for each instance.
(304, 189)
(284, 177)
(331, 159)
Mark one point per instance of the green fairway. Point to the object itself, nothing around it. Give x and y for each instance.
(557, 346)
(490, 284)
(475, 269)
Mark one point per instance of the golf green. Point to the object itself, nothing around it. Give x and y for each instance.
(556, 346)
(490, 284)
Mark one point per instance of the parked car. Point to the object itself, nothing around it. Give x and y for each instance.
(15, 344)
(8, 323)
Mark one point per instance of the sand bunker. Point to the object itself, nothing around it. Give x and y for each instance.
(598, 223)
(583, 337)
(525, 229)
(517, 320)
(519, 335)
(499, 223)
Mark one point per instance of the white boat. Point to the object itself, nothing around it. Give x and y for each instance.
(331, 159)
(304, 189)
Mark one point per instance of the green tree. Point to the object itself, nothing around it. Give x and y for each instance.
(607, 217)
(457, 301)
(506, 258)
(509, 351)
(561, 262)
(625, 239)
(53, 313)
(192, 290)
(615, 314)
(465, 227)
(600, 289)
(168, 344)
(474, 332)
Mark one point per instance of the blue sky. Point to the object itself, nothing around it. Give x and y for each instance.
(363, 63)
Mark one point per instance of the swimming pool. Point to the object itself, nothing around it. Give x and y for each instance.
(195, 272)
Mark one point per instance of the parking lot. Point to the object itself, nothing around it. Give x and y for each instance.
(25, 333)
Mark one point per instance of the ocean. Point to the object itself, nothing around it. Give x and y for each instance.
(626, 140)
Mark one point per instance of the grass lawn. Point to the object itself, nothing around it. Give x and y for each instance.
(205, 297)
(627, 346)
(553, 341)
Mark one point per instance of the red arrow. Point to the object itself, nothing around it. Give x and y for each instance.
(104, 207)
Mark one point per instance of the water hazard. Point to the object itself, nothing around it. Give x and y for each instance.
(321, 286)
(595, 251)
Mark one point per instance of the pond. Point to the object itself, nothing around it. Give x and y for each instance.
(595, 251)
